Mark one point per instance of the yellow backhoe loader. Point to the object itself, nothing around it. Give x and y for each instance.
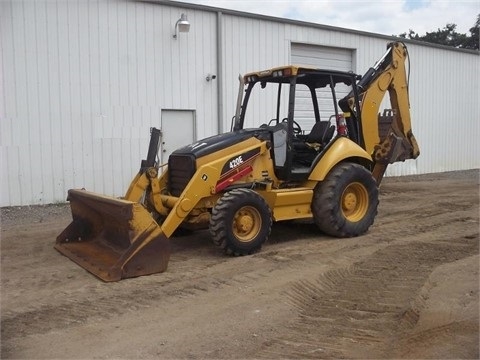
(239, 182)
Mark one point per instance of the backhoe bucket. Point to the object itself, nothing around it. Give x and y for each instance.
(113, 239)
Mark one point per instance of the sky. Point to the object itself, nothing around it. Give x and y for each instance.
(388, 17)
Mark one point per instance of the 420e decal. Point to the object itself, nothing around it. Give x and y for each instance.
(238, 160)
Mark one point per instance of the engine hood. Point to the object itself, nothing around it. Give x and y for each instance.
(217, 142)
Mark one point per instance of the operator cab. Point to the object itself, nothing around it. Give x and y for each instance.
(300, 107)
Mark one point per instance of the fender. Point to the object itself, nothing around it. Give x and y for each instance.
(343, 148)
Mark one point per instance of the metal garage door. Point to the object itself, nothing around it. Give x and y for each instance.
(322, 57)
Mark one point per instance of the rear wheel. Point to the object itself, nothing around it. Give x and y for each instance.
(241, 222)
(345, 203)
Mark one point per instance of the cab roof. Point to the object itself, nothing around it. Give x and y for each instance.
(284, 73)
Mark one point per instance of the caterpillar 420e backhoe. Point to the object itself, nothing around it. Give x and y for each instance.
(238, 183)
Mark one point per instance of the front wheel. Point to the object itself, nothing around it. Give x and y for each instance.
(241, 222)
(345, 203)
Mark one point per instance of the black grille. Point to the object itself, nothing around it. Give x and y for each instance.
(180, 170)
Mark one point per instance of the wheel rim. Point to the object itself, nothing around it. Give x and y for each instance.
(354, 202)
(247, 224)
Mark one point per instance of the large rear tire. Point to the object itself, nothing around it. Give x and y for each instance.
(241, 222)
(345, 203)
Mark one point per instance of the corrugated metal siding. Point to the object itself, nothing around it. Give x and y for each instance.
(445, 108)
(249, 45)
(84, 81)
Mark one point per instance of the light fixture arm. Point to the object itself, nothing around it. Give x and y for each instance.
(182, 24)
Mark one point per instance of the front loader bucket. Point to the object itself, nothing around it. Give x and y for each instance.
(113, 239)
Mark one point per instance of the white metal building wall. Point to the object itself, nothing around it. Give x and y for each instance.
(81, 83)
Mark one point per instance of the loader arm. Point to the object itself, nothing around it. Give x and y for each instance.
(148, 169)
(208, 180)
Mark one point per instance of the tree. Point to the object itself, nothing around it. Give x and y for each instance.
(473, 41)
(449, 36)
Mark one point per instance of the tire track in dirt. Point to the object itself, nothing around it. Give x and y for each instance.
(359, 311)
(95, 300)
(434, 337)
(102, 301)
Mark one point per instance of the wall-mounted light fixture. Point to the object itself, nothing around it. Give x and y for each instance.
(182, 24)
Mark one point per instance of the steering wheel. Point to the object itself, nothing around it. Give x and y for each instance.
(296, 127)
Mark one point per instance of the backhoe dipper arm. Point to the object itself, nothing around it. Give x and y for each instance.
(396, 142)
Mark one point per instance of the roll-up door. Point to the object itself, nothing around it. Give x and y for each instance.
(322, 57)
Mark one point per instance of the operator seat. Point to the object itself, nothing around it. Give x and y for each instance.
(305, 151)
(321, 133)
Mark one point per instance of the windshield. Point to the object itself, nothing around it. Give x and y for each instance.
(315, 98)
(267, 104)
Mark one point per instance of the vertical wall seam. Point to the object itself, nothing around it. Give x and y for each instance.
(220, 79)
